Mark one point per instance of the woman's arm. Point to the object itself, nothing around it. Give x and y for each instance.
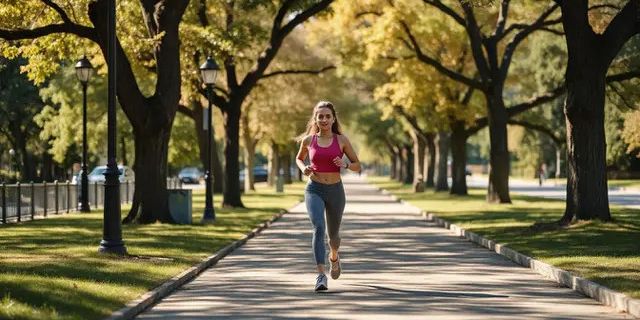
(302, 154)
(354, 164)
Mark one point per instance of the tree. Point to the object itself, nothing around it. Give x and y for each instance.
(408, 33)
(236, 39)
(590, 54)
(19, 103)
(150, 35)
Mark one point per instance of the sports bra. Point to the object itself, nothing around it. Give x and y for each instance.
(322, 157)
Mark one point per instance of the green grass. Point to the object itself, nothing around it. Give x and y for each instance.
(50, 269)
(607, 253)
(631, 183)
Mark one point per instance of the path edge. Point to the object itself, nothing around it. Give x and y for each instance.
(598, 292)
(150, 298)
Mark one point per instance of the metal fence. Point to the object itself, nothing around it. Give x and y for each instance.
(28, 201)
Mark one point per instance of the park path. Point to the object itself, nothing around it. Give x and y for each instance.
(395, 266)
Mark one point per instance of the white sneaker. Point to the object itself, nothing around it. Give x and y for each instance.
(321, 282)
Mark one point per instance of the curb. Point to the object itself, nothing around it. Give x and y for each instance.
(137, 306)
(600, 293)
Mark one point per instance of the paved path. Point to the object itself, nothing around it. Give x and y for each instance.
(625, 197)
(396, 266)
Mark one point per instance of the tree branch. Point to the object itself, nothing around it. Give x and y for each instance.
(446, 10)
(502, 18)
(185, 111)
(217, 100)
(623, 26)
(536, 101)
(623, 76)
(281, 72)
(559, 141)
(63, 15)
(414, 46)
(475, 41)
(277, 36)
(523, 34)
(76, 29)
(412, 121)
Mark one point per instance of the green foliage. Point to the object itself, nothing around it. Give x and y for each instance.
(61, 118)
(631, 132)
(183, 146)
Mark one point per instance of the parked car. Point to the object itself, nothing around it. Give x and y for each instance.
(260, 174)
(97, 175)
(191, 175)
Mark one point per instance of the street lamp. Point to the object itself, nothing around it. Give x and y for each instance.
(208, 70)
(84, 70)
(111, 225)
(12, 153)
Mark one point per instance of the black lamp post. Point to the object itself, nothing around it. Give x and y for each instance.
(111, 228)
(84, 70)
(209, 70)
(12, 153)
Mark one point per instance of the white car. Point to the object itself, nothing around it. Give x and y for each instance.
(97, 175)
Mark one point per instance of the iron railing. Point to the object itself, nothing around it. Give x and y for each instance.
(28, 201)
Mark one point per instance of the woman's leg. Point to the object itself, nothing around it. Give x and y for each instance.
(315, 208)
(335, 208)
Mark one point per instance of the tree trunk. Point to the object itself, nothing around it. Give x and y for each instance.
(587, 194)
(459, 159)
(408, 164)
(442, 152)
(393, 156)
(123, 147)
(498, 190)
(46, 172)
(249, 154)
(150, 166)
(558, 162)
(430, 161)
(249, 179)
(285, 164)
(399, 164)
(150, 117)
(274, 156)
(418, 162)
(231, 153)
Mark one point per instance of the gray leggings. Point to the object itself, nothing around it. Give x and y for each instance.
(319, 197)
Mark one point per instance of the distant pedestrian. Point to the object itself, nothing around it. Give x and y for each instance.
(542, 174)
(325, 145)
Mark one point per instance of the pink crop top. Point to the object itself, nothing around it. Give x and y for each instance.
(321, 157)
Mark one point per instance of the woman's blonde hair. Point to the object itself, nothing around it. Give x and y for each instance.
(312, 127)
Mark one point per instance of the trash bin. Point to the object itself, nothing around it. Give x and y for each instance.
(180, 205)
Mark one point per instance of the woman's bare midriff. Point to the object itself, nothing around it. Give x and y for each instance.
(326, 177)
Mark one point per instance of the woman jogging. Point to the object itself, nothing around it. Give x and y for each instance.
(324, 143)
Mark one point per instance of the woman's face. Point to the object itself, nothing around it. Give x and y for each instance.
(324, 118)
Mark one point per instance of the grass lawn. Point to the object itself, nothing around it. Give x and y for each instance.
(607, 253)
(50, 269)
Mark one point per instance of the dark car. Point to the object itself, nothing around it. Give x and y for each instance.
(260, 174)
(191, 175)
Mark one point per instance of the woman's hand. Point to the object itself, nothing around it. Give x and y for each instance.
(339, 163)
(307, 171)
